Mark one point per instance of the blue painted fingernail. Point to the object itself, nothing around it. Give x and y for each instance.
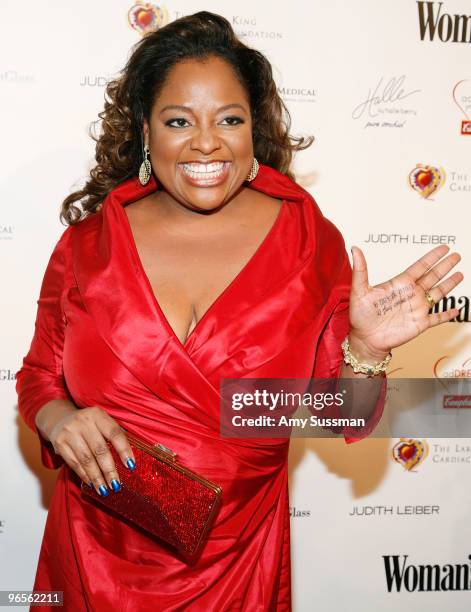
(115, 485)
(103, 490)
(130, 463)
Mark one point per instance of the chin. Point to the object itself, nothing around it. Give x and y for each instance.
(205, 198)
(207, 204)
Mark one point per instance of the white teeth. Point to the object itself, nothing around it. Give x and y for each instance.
(204, 171)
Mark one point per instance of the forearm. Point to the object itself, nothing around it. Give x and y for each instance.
(51, 413)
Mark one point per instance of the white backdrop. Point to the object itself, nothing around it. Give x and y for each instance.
(383, 87)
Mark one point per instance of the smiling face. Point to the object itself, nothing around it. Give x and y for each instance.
(200, 134)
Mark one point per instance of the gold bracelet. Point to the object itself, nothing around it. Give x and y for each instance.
(364, 368)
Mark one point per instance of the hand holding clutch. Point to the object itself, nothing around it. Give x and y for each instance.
(163, 497)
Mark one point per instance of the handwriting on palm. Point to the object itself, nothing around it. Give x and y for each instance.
(396, 311)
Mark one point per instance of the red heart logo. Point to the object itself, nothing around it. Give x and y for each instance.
(145, 17)
(409, 452)
(426, 179)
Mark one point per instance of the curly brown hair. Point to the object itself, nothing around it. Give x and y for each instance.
(130, 97)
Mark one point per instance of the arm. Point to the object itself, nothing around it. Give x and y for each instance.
(368, 401)
(40, 385)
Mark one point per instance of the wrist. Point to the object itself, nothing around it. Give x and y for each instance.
(363, 352)
(50, 414)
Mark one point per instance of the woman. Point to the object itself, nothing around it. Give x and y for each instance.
(207, 267)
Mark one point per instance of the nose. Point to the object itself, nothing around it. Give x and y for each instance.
(205, 140)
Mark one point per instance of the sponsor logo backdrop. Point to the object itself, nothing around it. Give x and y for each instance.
(386, 90)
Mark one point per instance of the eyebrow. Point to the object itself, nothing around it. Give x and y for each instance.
(189, 110)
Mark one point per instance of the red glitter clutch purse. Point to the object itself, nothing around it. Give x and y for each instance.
(163, 497)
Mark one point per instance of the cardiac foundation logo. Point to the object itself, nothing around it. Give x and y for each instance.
(427, 180)
(410, 452)
(145, 17)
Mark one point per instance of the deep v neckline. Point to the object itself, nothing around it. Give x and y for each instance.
(253, 258)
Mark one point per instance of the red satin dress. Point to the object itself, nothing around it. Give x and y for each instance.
(101, 339)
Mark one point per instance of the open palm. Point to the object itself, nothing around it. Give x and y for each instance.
(396, 311)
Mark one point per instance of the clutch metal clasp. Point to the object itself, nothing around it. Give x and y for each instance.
(166, 450)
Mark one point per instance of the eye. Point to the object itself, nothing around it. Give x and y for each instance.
(170, 121)
(234, 120)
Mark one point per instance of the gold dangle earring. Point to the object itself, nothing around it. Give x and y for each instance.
(253, 170)
(145, 170)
